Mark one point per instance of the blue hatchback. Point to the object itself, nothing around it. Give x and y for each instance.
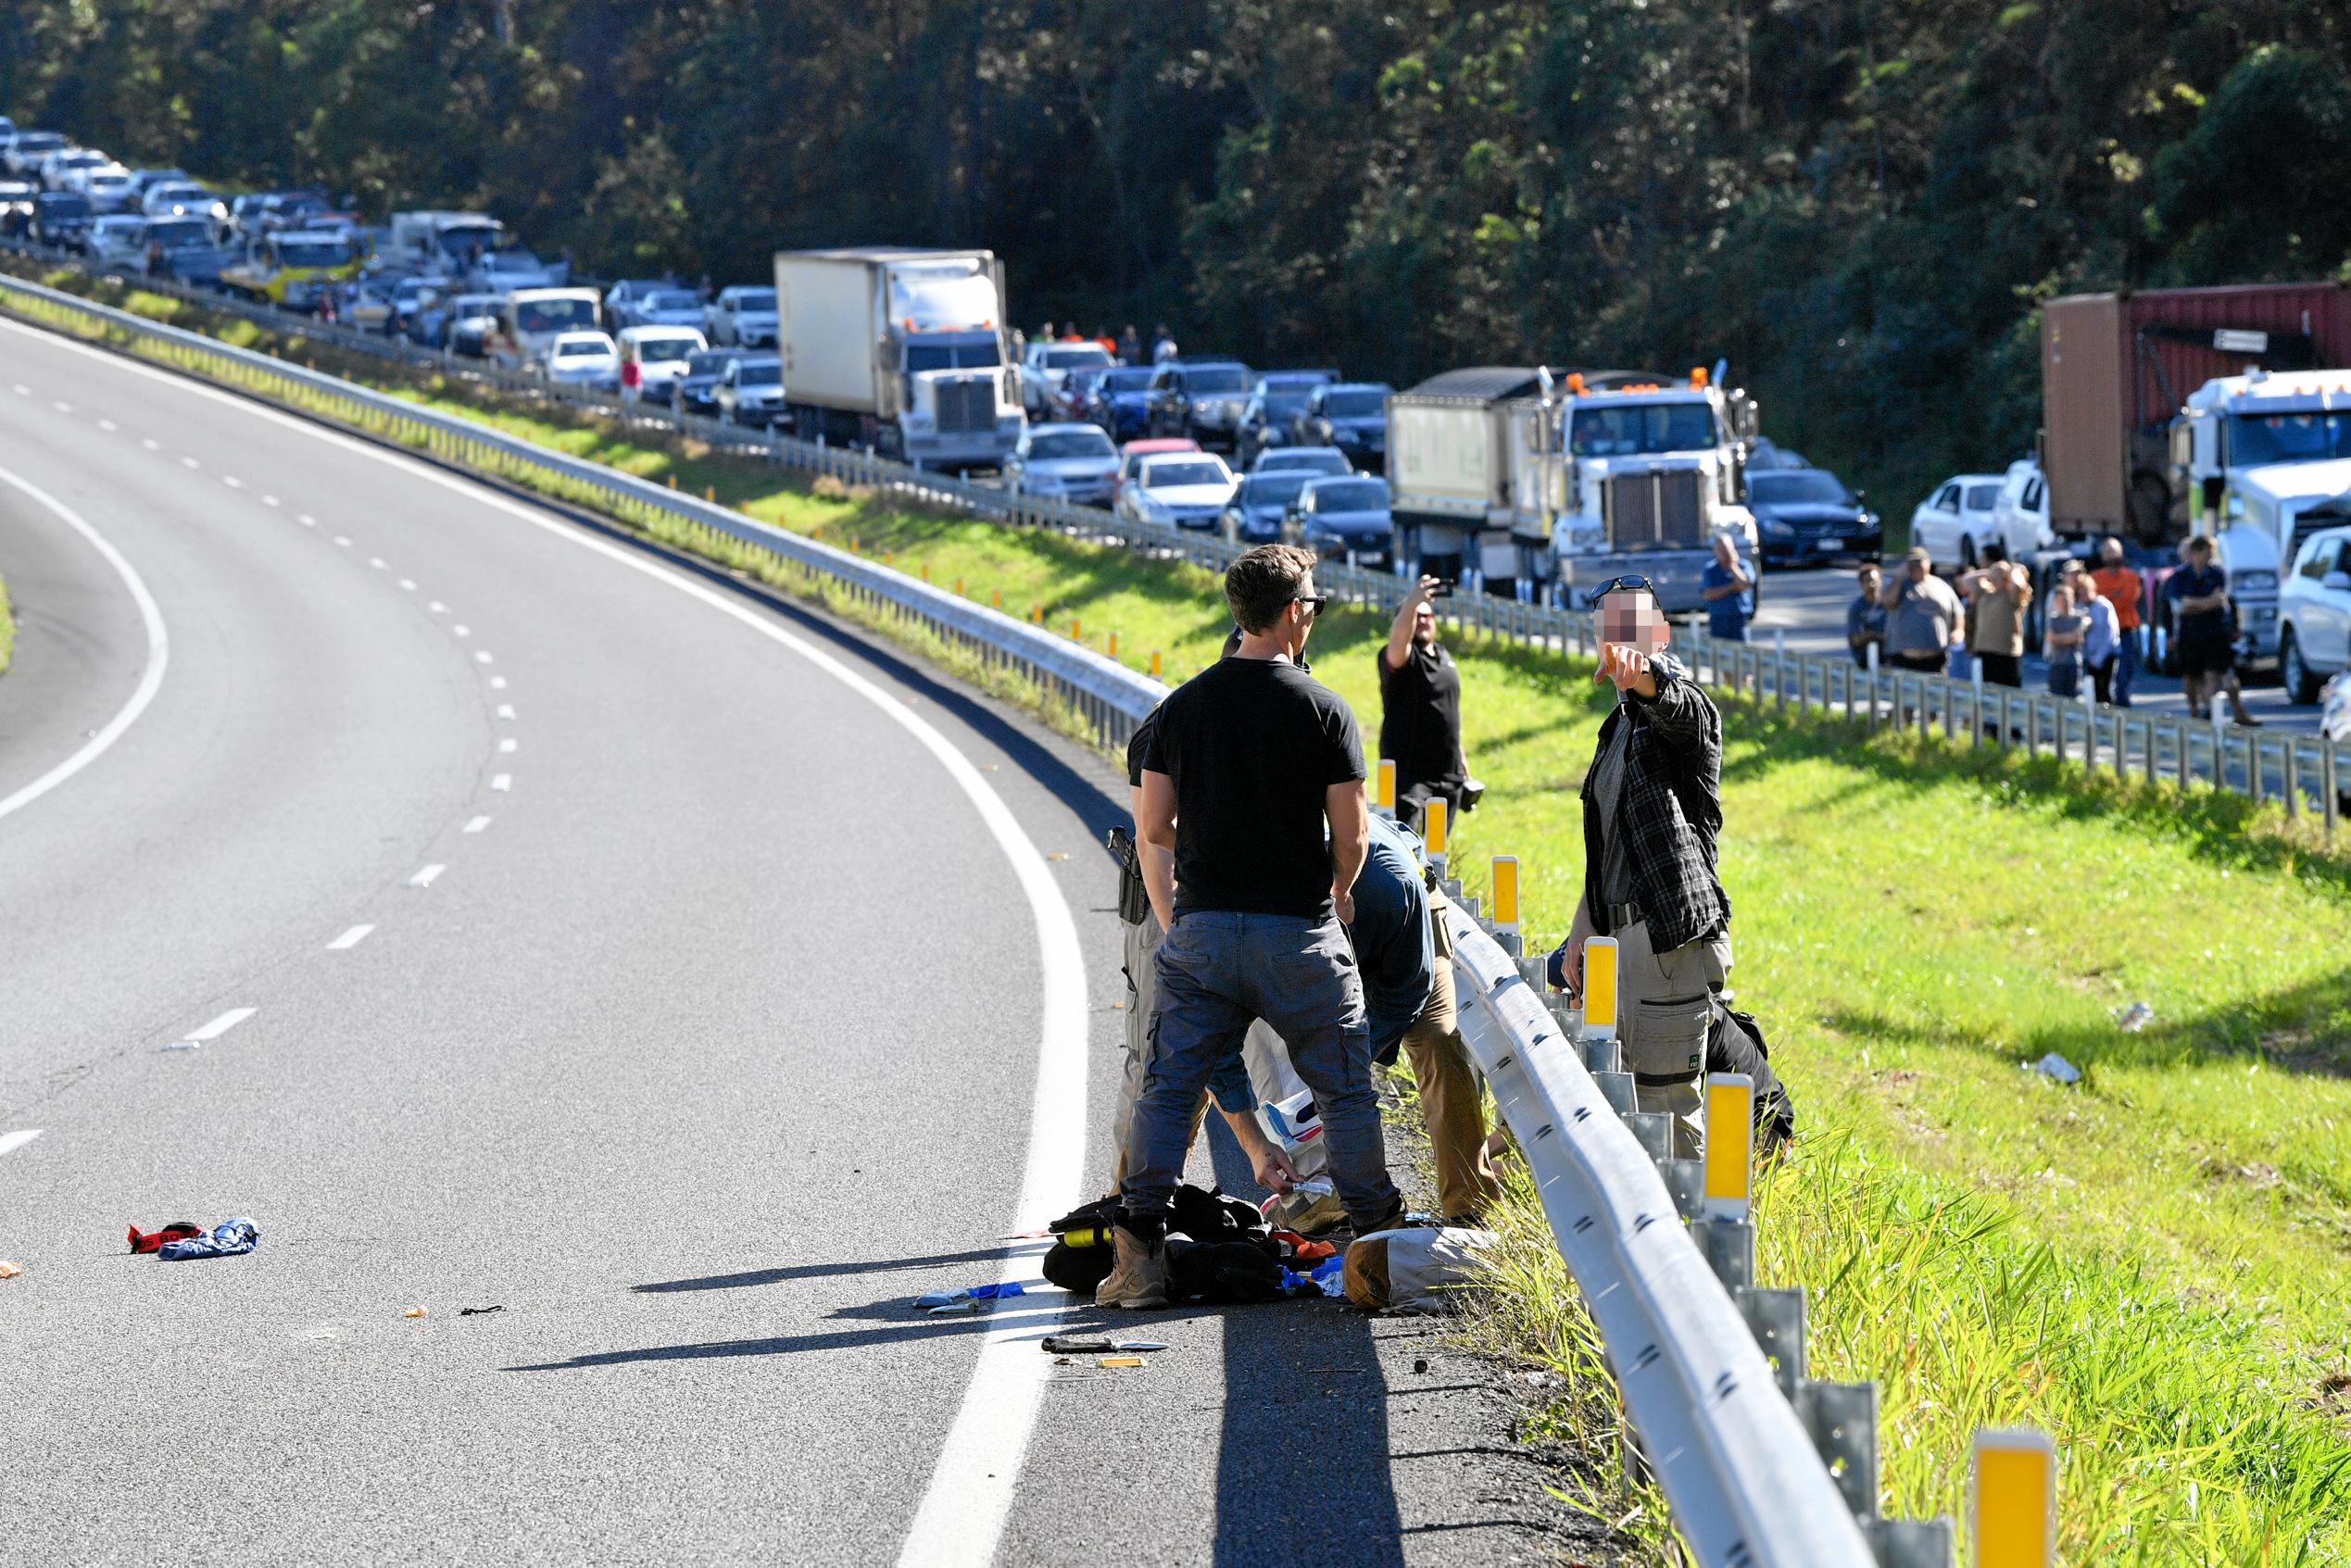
(1121, 402)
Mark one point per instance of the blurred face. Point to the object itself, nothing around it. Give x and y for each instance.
(1425, 626)
(2110, 553)
(1724, 550)
(1915, 569)
(1871, 583)
(1631, 617)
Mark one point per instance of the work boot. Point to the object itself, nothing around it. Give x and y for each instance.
(1138, 1276)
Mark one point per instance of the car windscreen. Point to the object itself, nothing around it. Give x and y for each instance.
(708, 364)
(176, 233)
(1273, 489)
(1124, 379)
(59, 204)
(461, 243)
(314, 252)
(761, 375)
(511, 261)
(1632, 428)
(581, 348)
(2255, 439)
(1181, 471)
(1071, 444)
(553, 315)
(1800, 485)
(930, 356)
(1217, 379)
(187, 195)
(755, 300)
(1982, 497)
(1351, 496)
(664, 348)
(672, 299)
(1353, 405)
(1282, 405)
(1071, 357)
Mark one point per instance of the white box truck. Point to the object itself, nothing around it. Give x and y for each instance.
(899, 350)
(1524, 478)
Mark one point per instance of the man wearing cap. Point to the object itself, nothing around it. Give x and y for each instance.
(1921, 613)
(1653, 810)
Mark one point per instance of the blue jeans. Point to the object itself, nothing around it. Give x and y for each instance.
(1219, 971)
(2126, 665)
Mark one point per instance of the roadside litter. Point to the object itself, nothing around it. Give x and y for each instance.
(478, 1311)
(1088, 1345)
(178, 1230)
(416, 1312)
(2057, 1067)
(181, 1240)
(943, 1303)
(1412, 1271)
(2135, 1017)
(8, 1270)
(1119, 1360)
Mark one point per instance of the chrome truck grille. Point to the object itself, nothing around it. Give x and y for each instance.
(965, 406)
(1655, 507)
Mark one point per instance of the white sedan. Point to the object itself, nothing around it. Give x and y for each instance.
(2314, 615)
(1070, 462)
(1187, 489)
(1955, 522)
(661, 354)
(589, 359)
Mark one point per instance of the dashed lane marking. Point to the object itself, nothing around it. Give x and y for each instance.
(11, 1142)
(461, 631)
(233, 482)
(509, 745)
(502, 782)
(480, 656)
(497, 683)
(426, 875)
(349, 939)
(506, 711)
(108, 426)
(477, 824)
(408, 584)
(211, 1030)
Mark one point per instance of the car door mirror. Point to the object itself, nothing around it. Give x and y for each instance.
(2336, 582)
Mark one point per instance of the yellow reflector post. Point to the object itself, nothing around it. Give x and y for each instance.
(1113, 644)
(2015, 1507)
(996, 599)
(1432, 830)
(1506, 892)
(1730, 1111)
(1384, 785)
(1075, 635)
(1154, 664)
(1037, 615)
(1600, 988)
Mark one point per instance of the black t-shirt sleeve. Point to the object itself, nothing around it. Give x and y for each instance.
(1141, 746)
(1345, 757)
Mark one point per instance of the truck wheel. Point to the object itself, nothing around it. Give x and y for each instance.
(2300, 681)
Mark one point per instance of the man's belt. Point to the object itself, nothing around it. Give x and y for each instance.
(1623, 915)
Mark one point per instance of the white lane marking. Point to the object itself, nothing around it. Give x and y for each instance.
(61, 408)
(436, 607)
(379, 563)
(497, 683)
(150, 678)
(480, 656)
(343, 540)
(462, 631)
(151, 444)
(961, 1515)
(269, 500)
(477, 824)
(23, 391)
(426, 876)
(509, 745)
(308, 521)
(506, 711)
(233, 482)
(502, 782)
(211, 1030)
(349, 939)
(408, 584)
(11, 1142)
(190, 463)
(108, 426)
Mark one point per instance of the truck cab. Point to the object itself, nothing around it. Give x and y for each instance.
(293, 268)
(2264, 458)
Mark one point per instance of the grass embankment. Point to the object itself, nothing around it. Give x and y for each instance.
(7, 627)
(2152, 1265)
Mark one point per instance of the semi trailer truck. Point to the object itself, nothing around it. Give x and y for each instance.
(899, 350)
(1553, 482)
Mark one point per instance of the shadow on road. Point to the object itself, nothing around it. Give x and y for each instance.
(815, 1271)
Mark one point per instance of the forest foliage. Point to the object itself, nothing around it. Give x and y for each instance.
(1859, 203)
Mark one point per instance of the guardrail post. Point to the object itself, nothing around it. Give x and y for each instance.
(1842, 1419)
(1776, 1318)
(1873, 685)
(1780, 667)
(1909, 1543)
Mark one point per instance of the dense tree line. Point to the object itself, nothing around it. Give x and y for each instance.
(1858, 202)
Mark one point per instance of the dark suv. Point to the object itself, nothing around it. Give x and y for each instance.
(1274, 404)
(1349, 415)
(1201, 398)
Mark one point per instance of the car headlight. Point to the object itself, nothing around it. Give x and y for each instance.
(2258, 582)
(1777, 529)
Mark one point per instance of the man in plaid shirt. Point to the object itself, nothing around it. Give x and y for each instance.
(1653, 809)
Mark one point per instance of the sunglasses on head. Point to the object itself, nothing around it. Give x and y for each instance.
(1615, 585)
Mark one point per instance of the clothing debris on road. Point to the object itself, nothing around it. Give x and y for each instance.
(478, 1311)
(2057, 1067)
(178, 1230)
(230, 1239)
(969, 1299)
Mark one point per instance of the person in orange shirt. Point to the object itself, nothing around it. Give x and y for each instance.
(2124, 588)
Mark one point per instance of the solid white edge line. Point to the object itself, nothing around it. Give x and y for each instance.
(11, 1142)
(426, 875)
(150, 678)
(349, 939)
(221, 1025)
(960, 1518)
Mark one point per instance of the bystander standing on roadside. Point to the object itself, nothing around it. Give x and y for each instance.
(632, 375)
(2101, 633)
(1420, 709)
(1130, 346)
(1921, 614)
(2204, 639)
(2062, 628)
(1162, 344)
(1727, 589)
(1253, 781)
(1653, 812)
(1865, 616)
(2126, 590)
(1997, 592)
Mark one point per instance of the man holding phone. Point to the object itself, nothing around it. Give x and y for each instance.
(1420, 707)
(1653, 810)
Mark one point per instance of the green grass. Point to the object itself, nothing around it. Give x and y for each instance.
(8, 629)
(2152, 1265)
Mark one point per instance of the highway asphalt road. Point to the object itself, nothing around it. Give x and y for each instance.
(542, 926)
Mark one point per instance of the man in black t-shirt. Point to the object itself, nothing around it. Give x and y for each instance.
(1420, 709)
(1248, 761)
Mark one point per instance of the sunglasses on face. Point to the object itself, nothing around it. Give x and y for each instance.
(1313, 602)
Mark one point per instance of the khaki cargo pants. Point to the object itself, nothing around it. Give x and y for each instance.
(1665, 1005)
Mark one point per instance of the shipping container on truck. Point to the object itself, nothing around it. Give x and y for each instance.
(2117, 369)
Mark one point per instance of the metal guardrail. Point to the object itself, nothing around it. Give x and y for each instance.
(2301, 773)
(1761, 1467)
